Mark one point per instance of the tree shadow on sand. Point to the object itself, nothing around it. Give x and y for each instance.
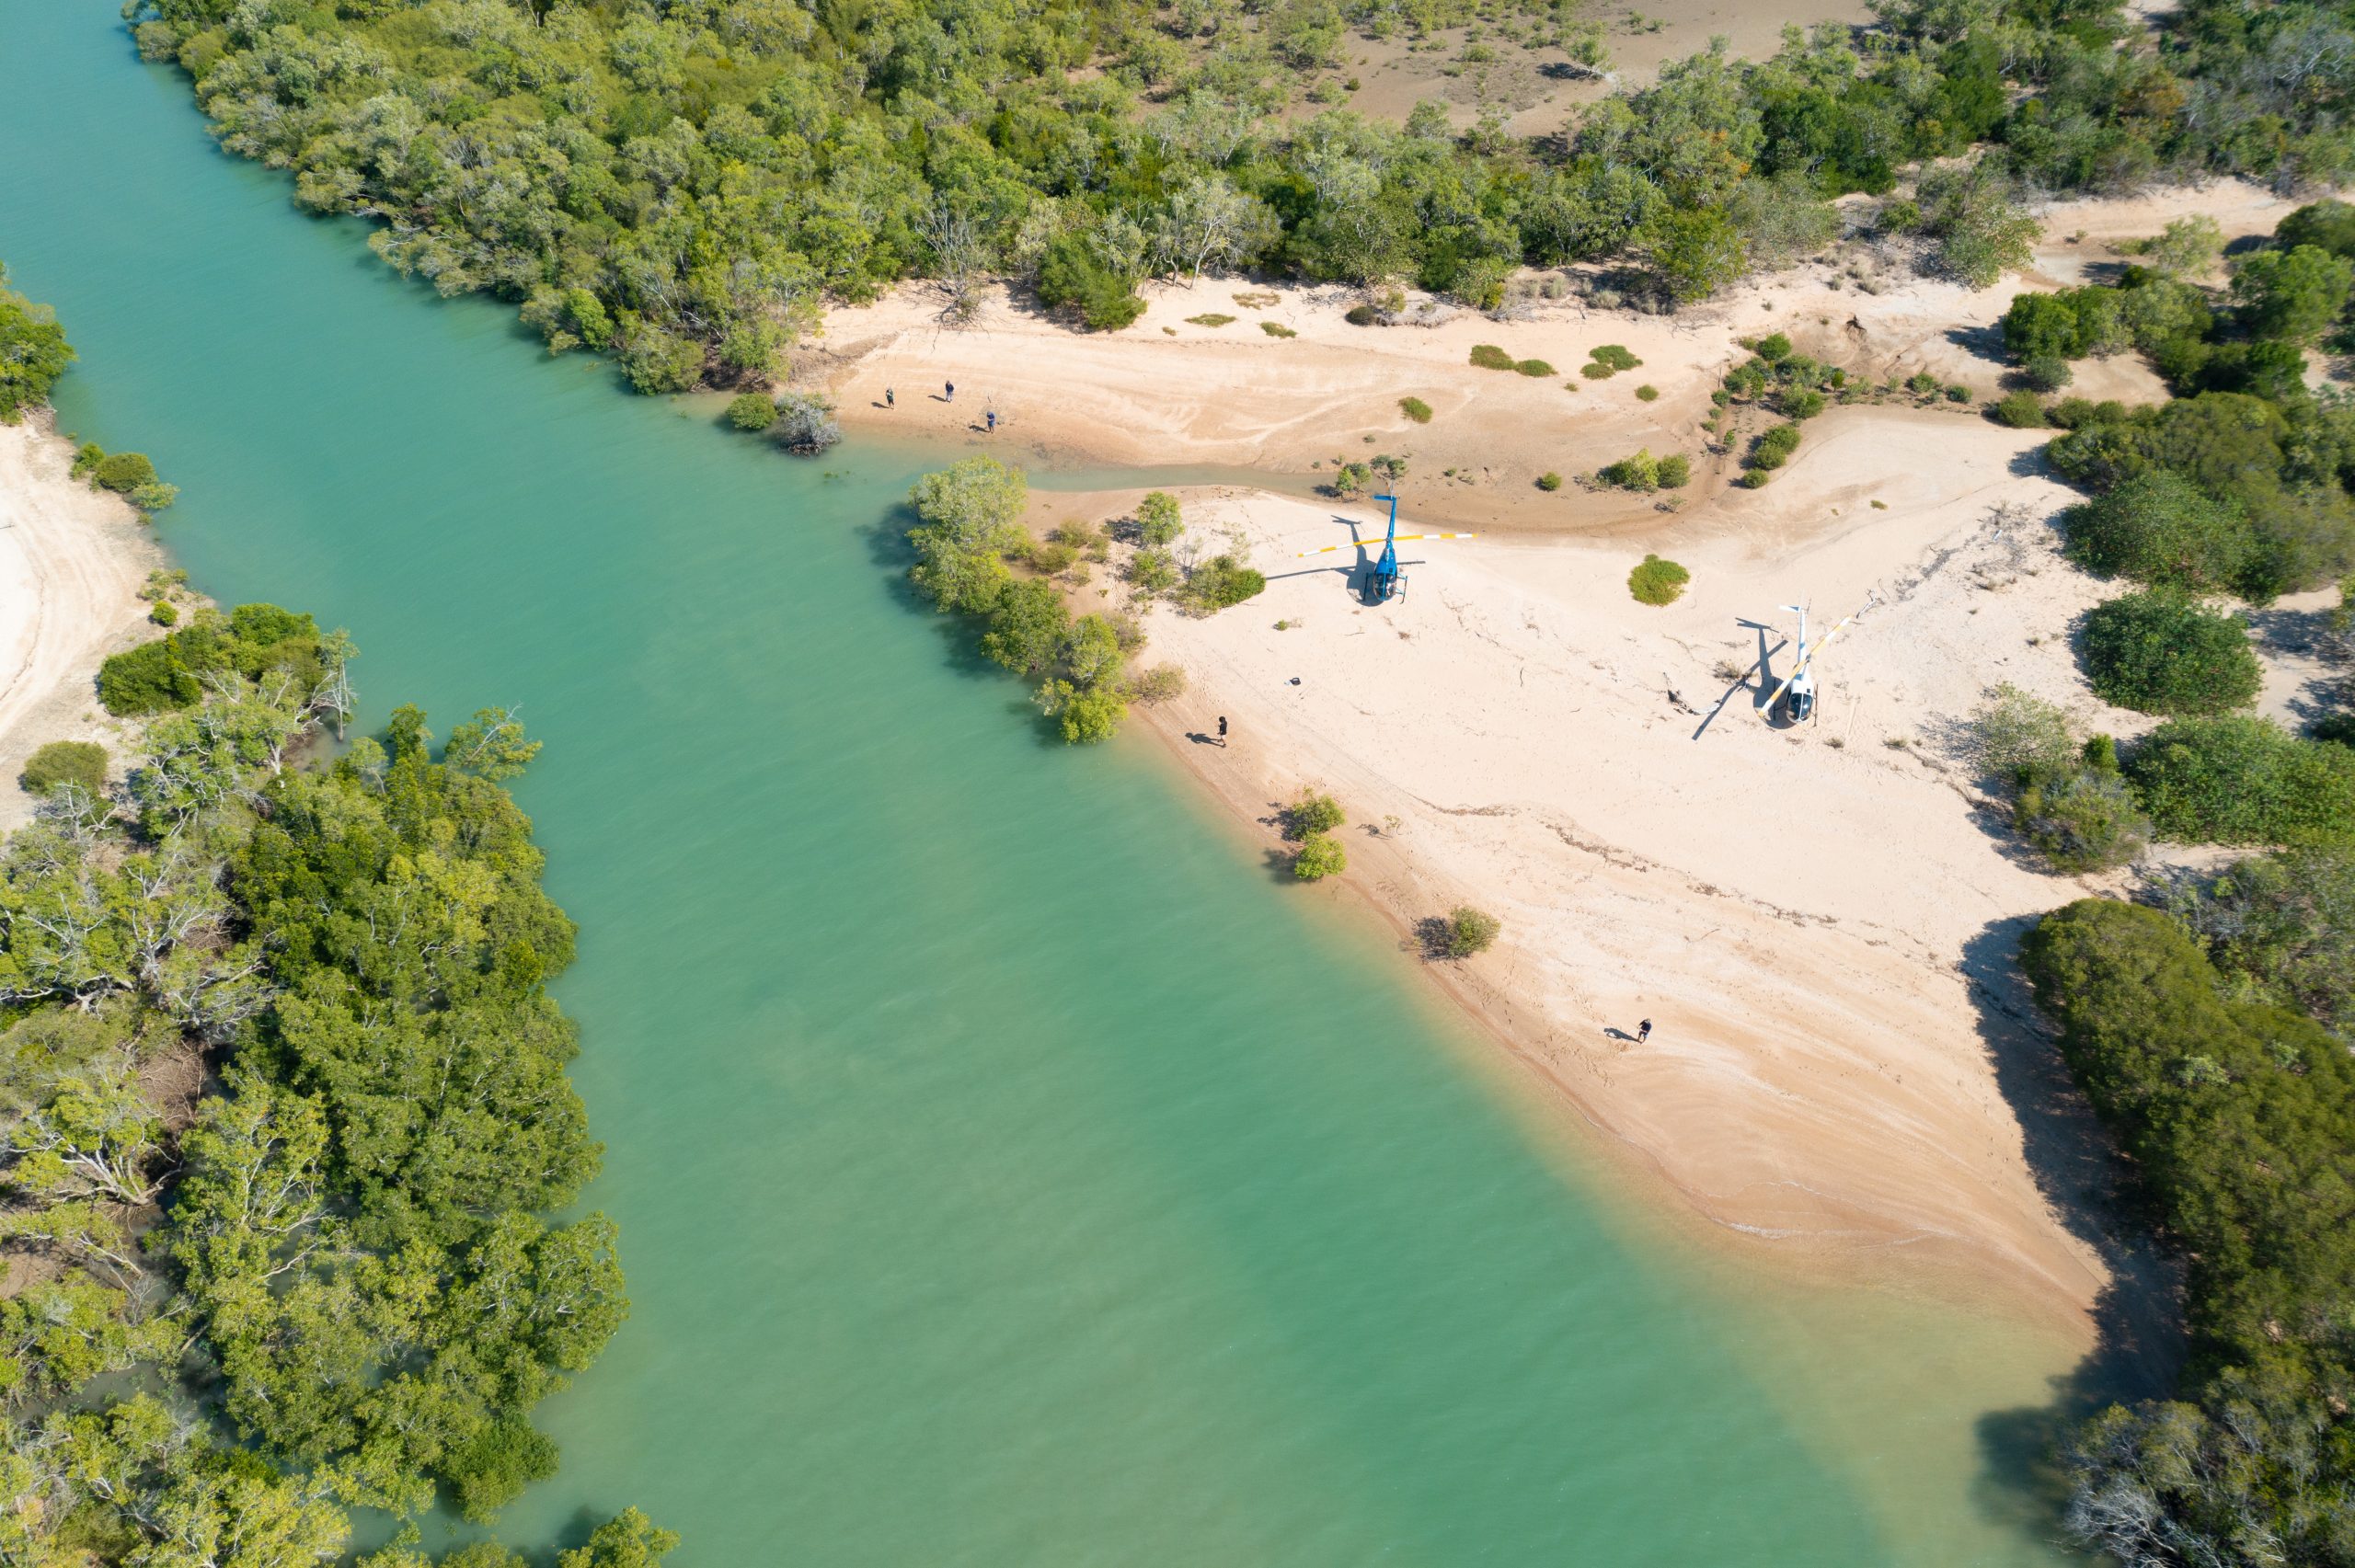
(2138, 1318)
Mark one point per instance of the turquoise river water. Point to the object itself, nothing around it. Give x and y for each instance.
(1010, 1170)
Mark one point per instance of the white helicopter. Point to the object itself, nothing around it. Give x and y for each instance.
(1795, 695)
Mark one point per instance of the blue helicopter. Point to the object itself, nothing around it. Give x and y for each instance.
(1385, 582)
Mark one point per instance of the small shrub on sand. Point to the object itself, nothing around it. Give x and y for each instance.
(1362, 316)
(164, 612)
(1799, 401)
(1277, 330)
(1159, 684)
(1656, 581)
(2022, 410)
(1613, 358)
(1549, 480)
(1321, 855)
(1464, 931)
(1648, 393)
(1774, 448)
(2047, 372)
(1488, 357)
(1312, 813)
(82, 763)
(1218, 583)
(1643, 473)
(1211, 318)
(1414, 409)
(1533, 368)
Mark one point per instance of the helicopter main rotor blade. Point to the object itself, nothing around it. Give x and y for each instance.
(1368, 544)
(1807, 659)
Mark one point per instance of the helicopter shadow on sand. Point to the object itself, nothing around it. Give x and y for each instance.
(1762, 692)
(1358, 572)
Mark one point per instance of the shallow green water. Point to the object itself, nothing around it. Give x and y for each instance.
(1010, 1170)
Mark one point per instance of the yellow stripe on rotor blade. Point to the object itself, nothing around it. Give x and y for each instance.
(1370, 543)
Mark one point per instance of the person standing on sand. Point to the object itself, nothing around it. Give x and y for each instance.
(952, 391)
(1222, 729)
(992, 418)
(890, 401)
(1643, 1031)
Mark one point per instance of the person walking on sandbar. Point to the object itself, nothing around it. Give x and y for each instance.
(889, 400)
(1222, 729)
(952, 392)
(992, 418)
(1643, 1031)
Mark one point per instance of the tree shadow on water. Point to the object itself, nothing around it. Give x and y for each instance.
(2138, 1316)
(959, 636)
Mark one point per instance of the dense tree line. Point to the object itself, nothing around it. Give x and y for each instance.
(2239, 1116)
(323, 1280)
(685, 183)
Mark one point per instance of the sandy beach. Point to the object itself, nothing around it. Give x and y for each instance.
(1846, 1074)
(72, 562)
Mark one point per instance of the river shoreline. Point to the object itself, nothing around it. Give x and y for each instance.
(72, 562)
(1844, 1087)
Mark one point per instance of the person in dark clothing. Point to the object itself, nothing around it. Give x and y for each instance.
(992, 419)
(1222, 729)
(890, 401)
(952, 392)
(1643, 1031)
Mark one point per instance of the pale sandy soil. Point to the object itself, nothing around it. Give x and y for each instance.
(1845, 1073)
(1170, 391)
(72, 562)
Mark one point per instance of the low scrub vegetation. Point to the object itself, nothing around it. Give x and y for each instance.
(1643, 473)
(2022, 410)
(2244, 780)
(130, 474)
(81, 763)
(1464, 932)
(1606, 361)
(1656, 581)
(2158, 652)
(1773, 448)
(2068, 797)
(255, 641)
(1320, 855)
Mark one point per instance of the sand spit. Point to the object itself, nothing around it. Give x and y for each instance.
(1846, 1074)
(72, 562)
